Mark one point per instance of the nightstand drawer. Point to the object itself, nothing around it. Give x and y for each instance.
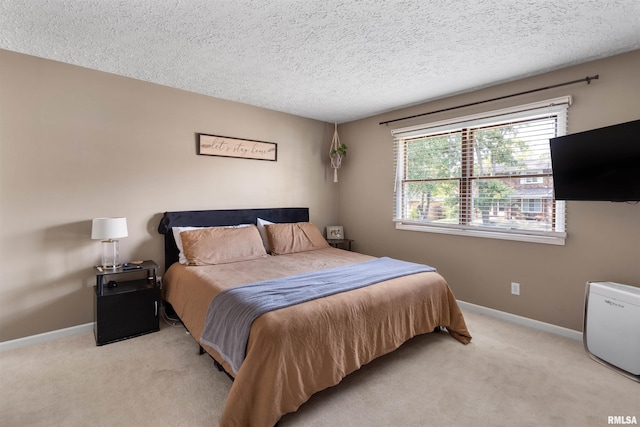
(126, 313)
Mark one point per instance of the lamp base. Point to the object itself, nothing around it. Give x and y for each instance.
(110, 255)
(111, 267)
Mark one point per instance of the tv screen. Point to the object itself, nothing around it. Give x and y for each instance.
(600, 164)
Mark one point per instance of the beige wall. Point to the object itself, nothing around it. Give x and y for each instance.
(77, 144)
(603, 238)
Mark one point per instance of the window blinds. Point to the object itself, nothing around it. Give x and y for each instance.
(489, 172)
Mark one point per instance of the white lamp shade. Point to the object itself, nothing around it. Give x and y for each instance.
(109, 228)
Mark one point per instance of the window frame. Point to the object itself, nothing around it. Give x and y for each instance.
(557, 107)
(529, 202)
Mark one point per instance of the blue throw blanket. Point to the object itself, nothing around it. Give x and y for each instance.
(232, 311)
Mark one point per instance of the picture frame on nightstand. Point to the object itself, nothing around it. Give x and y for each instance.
(335, 232)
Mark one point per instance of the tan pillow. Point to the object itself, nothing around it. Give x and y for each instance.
(294, 237)
(208, 246)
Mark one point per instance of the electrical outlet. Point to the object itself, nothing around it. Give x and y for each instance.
(515, 288)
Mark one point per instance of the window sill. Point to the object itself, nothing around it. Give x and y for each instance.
(548, 239)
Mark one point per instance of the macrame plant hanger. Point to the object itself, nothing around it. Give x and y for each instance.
(334, 154)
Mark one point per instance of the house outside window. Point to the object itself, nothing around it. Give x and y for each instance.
(485, 175)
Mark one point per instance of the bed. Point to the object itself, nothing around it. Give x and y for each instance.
(292, 352)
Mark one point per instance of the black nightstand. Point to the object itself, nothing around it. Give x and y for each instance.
(131, 307)
(340, 243)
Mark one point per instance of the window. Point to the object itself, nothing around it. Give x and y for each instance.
(532, 205)
(531, 180)
(485, 175)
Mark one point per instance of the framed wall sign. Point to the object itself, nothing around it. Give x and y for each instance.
(225, 146)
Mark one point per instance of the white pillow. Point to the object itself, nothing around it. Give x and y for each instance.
(176, 236)
(263, 233)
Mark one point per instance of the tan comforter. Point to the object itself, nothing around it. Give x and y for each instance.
(297, 351)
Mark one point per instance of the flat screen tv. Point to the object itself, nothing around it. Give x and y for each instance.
(601, 164)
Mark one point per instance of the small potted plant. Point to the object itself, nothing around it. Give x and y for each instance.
(336, 153)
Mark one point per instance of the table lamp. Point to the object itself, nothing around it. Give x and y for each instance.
(108, 229)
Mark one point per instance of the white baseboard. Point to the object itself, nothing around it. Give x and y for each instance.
(47, 336)
(547, 327)
(524, 321)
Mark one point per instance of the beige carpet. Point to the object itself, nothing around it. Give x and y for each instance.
(509, 375)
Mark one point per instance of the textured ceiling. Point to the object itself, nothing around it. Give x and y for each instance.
(330, 60)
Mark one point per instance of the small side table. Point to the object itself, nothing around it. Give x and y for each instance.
(131, 307)
(340, 243)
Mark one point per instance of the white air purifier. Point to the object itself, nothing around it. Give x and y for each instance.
(611, 333)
